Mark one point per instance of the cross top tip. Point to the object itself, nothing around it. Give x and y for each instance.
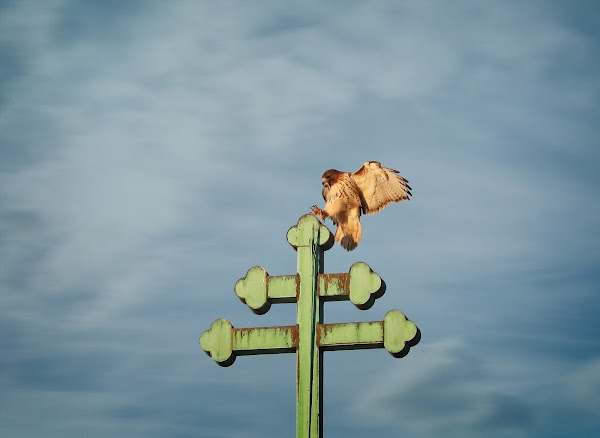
(310, 231)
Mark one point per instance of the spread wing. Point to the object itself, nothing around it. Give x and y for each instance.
(379, 186)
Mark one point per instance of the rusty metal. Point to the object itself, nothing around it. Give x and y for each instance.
(310, 337)
(334, 287)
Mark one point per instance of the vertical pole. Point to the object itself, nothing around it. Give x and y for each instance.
(308, 385)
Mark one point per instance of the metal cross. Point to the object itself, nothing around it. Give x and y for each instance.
(310, 336)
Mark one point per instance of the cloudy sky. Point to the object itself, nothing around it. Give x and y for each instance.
(152, 152)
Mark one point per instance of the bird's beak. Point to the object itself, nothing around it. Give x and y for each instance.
(323, 181)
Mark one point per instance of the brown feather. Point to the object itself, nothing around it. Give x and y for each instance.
(378, 186)
(368, 190)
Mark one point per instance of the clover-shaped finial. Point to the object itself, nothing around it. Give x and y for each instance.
(399, 333)
(252, 290)
(365, 285)
(218, 342)
(303, 233)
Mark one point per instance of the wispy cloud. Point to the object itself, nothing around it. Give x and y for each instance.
(447, 390)
(586, 386)
(153, 152)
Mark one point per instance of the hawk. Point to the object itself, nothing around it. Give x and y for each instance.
(347, 195)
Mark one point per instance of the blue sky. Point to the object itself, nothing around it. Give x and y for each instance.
(152, 152)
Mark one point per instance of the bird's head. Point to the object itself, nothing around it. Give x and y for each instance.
(329, 177)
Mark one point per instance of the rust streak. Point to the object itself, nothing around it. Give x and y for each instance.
(318, 334)
(295, 336)
(340, 282)
(297, 286)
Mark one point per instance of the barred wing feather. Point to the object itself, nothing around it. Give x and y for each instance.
(379, 186)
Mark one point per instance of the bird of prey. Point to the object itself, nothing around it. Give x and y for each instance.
(347, 195)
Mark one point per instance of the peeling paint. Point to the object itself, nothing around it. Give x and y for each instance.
(310, 288)
(264, 339)
(334, 285)
(352, 333)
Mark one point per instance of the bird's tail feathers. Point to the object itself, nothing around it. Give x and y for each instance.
(349, 235)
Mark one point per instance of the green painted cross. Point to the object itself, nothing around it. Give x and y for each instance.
(310, 288)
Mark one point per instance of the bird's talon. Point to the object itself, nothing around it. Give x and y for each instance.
(317, 212)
